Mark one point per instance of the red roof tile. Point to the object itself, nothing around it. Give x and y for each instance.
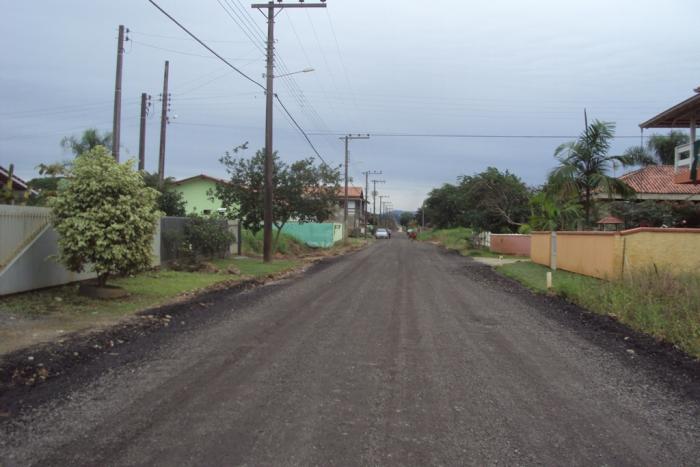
(353, 192)
(658, 179)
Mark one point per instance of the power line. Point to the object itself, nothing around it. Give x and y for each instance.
(152, 2)
(242, 74)
(160, 36)
(300, 129)
(465, 135)
(182, 52)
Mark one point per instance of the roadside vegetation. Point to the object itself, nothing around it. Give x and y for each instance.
(51, 313)
(655, 302)
(459, 239)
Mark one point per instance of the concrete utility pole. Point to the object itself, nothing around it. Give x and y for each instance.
(116, 122)
(165, 99)
(364, 211)
(374, 199)
(270, 14)
(347, 139)
(145, 106)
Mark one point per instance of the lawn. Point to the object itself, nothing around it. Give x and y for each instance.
(655, 302)
(41, 315)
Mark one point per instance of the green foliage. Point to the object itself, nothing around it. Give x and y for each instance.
(302, 190)
(406, 218)
(660, 149)
(89, 140)
(458, 238)
(105, 216)
(496, 201)
(551, 211)
(525, 229)
(644, 214)
(207, 236)
(656, 302)
(170, 201)
(491, 200)
(584, 165)
(252, 243)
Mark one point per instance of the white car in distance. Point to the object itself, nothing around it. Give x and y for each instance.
(381, 234)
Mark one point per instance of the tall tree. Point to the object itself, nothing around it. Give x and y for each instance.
(496, 201)
(584, 165)
(90, 139)
(302, 191)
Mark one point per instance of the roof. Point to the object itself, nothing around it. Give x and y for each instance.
(17, 183)
(610, 220)
(200, 176)
(353, 192)
(658, 179)
(677, 116)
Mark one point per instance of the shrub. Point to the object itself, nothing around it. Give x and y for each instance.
(105, 216)
(207, 236)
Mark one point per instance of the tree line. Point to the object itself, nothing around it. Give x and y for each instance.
(570, 199)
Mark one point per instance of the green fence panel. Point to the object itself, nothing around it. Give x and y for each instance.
(314, 234)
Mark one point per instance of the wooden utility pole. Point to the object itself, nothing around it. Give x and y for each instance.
(165, 99)
(347, 139)
(145, 105)
(116, 122)
(269, 10)
(364, 209)
(381, 205)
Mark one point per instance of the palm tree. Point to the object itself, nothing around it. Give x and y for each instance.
(88, 140)
(659, 150)
(585, 164)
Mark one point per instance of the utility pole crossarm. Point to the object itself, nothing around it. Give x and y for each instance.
(260, 6)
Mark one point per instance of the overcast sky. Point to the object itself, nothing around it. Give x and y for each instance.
(429, 67)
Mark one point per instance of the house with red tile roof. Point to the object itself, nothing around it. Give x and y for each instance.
(657, 182)
(357, 205)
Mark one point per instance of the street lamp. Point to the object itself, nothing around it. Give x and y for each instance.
(305, 70)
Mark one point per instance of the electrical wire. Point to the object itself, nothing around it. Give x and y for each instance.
(152, 2)
(301, 130)
(466, 135)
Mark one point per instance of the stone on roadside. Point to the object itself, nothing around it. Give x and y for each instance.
(233, 270)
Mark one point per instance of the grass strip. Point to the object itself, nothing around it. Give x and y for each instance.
(655, 302)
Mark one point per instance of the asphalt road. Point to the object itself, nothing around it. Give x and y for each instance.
(400, 354)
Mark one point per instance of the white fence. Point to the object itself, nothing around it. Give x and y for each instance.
(482, 240)
(28, 247)
(19, 225)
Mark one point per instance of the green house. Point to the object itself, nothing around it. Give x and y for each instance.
(196, 193)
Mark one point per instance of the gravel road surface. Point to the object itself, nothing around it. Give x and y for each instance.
(400, 354)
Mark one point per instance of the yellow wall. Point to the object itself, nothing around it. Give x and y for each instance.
(540, 248)
(609, 255)
(589, 253)
(674, 249)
